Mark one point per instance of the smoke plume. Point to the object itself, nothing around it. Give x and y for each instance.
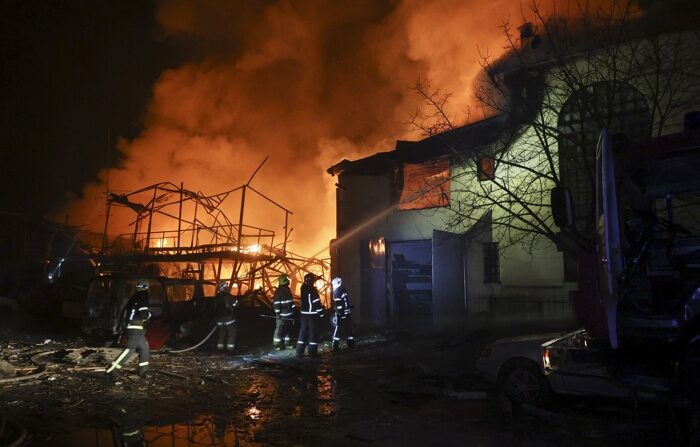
(306, 83)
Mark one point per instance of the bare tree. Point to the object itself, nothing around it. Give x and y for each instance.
(563, 78)
(431, 116)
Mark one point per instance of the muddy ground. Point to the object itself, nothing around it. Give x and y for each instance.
(393, 389)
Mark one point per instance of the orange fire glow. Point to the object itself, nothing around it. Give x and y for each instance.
(308, 83)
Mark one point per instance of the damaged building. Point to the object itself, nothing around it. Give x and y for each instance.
(408, 270)
(412, 242)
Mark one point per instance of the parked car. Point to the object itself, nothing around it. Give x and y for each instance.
(528, 369)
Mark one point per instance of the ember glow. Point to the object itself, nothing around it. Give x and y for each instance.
(306, 83)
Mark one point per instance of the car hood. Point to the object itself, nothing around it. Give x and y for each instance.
(529, 340)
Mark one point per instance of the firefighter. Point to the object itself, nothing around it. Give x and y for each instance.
(311, 310)
(342, 320)
(226, 306)
(284, 307)
(137, 315)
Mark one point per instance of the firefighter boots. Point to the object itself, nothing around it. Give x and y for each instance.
(313, 350)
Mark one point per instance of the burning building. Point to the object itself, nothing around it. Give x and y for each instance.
(460, 222)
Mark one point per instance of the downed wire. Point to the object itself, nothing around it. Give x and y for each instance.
(197, 345)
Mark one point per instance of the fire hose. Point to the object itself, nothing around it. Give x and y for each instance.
(212, 332)
(198, 344)
(272, 316)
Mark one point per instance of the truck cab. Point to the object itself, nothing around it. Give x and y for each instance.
(639, 283)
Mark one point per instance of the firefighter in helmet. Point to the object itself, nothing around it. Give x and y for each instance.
(137, 315)
(284, 307)
(311, 310)
(342, 319)
(226, 306)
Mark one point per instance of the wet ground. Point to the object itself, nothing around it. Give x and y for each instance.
(393, 389)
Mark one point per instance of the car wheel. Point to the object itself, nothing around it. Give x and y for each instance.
(525, 384)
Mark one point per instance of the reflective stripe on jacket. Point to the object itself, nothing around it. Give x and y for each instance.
(282, 302)
(137, 310)
(341, 302)
(310, 300)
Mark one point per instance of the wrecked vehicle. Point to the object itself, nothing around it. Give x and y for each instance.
(638, 289)
(528, 369)
(638, 295)
(182, 309)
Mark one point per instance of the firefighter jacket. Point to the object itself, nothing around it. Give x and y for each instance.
(341, 302)
(310, 300)
(226, 307)
(137, 312)
(282, 302)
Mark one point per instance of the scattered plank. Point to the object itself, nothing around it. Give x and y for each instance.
(171, 374)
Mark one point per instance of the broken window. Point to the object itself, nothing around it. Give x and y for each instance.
(377, 250)
(180, 292)
(486, 168)
(492, 269)
(425, 185)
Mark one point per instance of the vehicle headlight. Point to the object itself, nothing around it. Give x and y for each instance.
(545, 359)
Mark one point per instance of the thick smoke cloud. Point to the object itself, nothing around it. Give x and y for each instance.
(306, 82)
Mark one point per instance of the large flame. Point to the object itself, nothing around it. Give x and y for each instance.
(306, 82)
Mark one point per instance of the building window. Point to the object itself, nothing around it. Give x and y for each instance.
(570, 266)
(492, 268)
(486, 168)
(376, 252)
(425, 185)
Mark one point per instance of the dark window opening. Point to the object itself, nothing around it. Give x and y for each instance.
(570, 267)
(492, 268)
(425, 185)
(486, 168)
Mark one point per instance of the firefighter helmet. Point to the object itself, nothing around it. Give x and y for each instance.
(223, 286)
(336, 282)
(310, 278)
(142, 285)
(283, 280)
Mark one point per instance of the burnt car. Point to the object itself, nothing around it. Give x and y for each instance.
(254, 315)
(105, 300)
(107, 295)
(183, 310)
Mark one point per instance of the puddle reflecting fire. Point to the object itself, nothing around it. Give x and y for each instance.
(206, 430)
(259, 407)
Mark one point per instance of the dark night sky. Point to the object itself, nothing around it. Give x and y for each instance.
(75, 74)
